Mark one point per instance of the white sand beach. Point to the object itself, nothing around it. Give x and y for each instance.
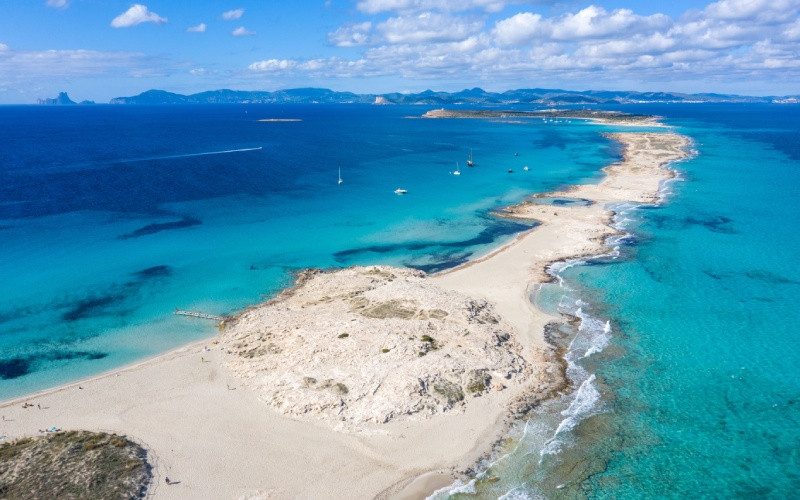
(430, 374)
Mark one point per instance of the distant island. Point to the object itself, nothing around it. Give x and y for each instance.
(62, 99)
(584, 114)
(475, 96)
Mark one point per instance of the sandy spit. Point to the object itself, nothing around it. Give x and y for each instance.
(282, 406)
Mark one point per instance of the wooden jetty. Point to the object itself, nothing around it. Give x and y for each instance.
(195, 314)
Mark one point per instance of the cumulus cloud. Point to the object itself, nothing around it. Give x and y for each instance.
(427, 27)
(444, 39)
(58, 4)
(351, 35)
(762, 10)
(242, 31)
(232, 15)
(378, 6)
(200, 28)
(520, 28)
(792, 31)
(137, 14)
(591, 22)
(596, 22)
(273, 65)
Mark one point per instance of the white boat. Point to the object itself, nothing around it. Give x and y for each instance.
(525, 168)
(340, 175)
(456, 171)
(469, 162)
(400, 191)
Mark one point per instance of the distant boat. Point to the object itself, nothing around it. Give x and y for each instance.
(510, 171)
(469, 162)
(516, 154)
(400, 191)
(525, 168)
(456, 172)
(340, 175)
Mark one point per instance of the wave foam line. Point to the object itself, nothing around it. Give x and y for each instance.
(584, 405)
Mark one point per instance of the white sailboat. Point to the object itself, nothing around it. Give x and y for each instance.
(456, 171)
(469, 162)
(400, 191)
(340, 175)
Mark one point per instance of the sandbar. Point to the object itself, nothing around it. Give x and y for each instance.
(258, 412)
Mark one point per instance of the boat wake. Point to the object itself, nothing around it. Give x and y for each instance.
(104, 163)
(184, 155)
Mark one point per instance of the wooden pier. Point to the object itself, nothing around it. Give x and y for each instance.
(195, 314)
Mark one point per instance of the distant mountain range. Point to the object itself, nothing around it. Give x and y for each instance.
(475, 96)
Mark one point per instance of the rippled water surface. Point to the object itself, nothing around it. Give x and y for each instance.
(113, 216)
(684, 359)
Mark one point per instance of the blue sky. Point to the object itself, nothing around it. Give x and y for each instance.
(99, 49)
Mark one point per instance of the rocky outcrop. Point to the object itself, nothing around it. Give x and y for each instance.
(372, 344)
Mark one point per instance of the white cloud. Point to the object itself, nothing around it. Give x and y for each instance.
(200, 28)
(351, 35)
(58, 4)
(638, 44)
(377, 6)
(760, 10)
(520, 28)
(137, 14)
(429, 40)
(792, 31)
(596, 22)
(427, 27)
(232, 15)
(273, 65)
(242, 31)
(591, 22)
(197, 71)
(30, 66)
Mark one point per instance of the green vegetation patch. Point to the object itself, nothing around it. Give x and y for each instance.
(75, 465)
(478, 381)
(450, 392)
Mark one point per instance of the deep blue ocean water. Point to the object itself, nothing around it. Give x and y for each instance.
(684, 360)
(111, 216)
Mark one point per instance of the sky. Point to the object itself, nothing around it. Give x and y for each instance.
(100, 49)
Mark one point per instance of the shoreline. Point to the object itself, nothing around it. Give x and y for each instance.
(596, 116)
(377, 462)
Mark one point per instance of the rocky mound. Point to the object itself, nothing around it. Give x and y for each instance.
(370, 344)
(75, 464)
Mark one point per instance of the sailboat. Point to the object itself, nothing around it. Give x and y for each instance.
(456, 172)
(469, 162)
(340, 175)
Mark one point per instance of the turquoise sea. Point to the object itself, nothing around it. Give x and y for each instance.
(683, 361)
(685, 357)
